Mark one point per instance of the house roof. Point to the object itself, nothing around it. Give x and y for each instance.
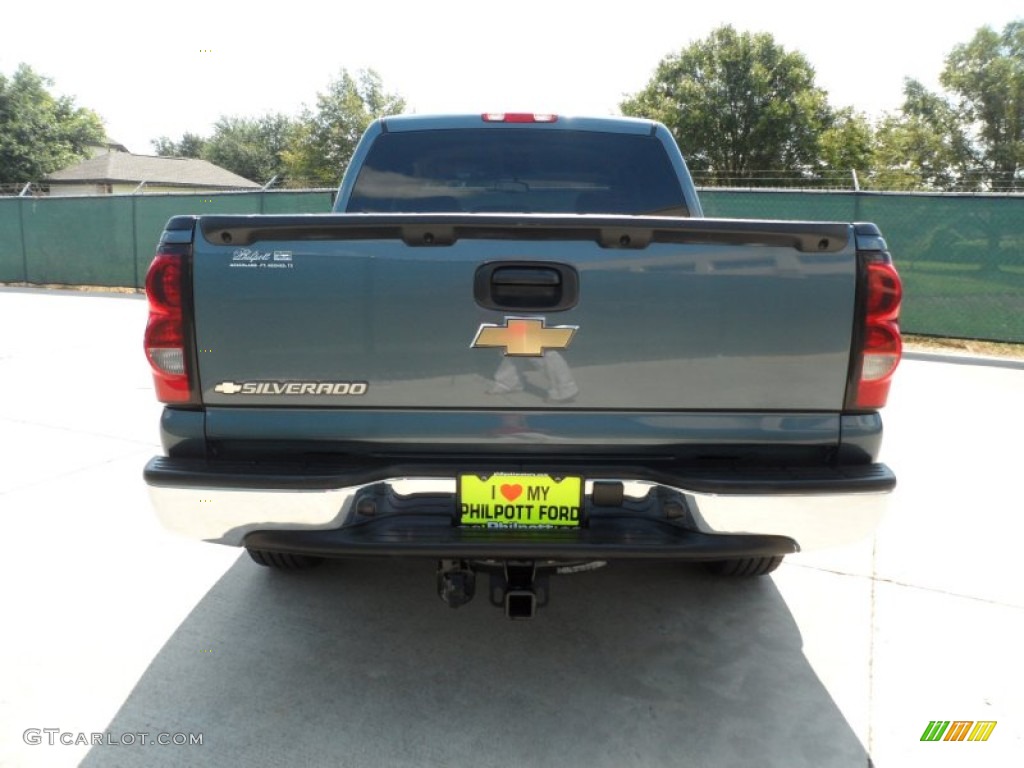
(111, 144)
(125, 168)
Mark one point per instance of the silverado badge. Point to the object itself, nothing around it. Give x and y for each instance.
(524, 336)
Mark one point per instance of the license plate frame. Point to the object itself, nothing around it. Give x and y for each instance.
(519, 500)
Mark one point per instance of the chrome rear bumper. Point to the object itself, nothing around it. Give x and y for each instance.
(814, 508)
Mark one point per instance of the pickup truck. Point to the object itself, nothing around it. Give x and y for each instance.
(517, 348)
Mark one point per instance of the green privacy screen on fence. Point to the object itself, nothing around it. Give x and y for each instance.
(961, 256)
(111, 240)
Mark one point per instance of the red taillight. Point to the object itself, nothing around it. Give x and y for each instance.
(885, 292)
(881, 343)
(165, 340)
(518, 117)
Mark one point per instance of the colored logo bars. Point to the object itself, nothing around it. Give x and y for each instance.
(958, 730)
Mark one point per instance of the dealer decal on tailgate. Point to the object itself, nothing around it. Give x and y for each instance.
(520, 501)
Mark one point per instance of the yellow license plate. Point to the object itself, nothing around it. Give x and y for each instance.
(520, 501)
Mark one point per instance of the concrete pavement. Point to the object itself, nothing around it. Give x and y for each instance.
(114, 627)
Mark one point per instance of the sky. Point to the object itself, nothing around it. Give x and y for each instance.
(161, 69)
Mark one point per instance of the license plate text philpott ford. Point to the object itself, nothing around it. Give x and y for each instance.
(520, 501)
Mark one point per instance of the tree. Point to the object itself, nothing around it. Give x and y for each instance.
(971, 136)
(986, 78)
(847, 143)
(251, 147)
(324, 140)
(923, 147)
(310, 150)
(41, 133)
(738, 103)
(191, 145)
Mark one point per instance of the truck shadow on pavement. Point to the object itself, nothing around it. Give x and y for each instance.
(359, 663)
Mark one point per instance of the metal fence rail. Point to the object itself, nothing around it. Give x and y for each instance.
(961, 255)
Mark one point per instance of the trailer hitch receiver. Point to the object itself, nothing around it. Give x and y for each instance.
(519, 589)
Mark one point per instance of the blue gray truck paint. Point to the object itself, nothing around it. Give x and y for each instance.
(701, 326)
(184, 433)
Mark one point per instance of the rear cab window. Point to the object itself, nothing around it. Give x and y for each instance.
(517, 171)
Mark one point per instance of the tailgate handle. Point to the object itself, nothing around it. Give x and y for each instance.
(536, 286)
(535, 276)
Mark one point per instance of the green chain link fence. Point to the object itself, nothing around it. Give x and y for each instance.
(111, 240)
(961, 256)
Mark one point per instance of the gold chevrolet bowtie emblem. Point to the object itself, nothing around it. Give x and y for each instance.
(524, 337)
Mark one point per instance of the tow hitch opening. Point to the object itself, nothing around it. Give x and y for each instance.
(519, 587)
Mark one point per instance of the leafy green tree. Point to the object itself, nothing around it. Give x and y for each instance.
(986, 78)
(41, 133)
(846, 144)
(252, 148)
(925, 146)
(738, 104)
(971, 137)
(325, 138)
(191, 145)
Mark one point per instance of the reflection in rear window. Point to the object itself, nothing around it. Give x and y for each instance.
(517, 171)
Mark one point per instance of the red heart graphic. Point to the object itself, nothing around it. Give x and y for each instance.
(511, 492)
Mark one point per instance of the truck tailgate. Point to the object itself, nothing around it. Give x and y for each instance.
(367, 311)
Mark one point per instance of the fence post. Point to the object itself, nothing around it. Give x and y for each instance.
(856, 195)
(24, 249)
(263, 191)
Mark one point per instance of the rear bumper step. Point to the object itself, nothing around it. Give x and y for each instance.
(605, 539)
(655, 525)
